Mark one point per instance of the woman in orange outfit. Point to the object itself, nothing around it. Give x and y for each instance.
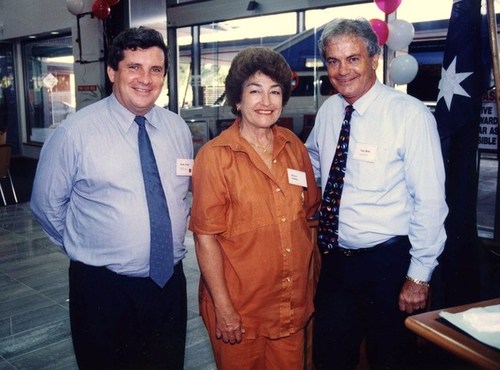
(253, 190)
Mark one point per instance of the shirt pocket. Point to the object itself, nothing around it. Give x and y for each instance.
(370, 175)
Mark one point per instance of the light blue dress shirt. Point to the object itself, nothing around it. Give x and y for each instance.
(394, 181)
(88, 193)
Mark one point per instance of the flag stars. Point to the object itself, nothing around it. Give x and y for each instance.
(449, 84)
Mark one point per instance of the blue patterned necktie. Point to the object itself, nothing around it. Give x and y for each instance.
(328, 225)
(161, 260)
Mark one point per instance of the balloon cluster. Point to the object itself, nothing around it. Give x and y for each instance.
(396, 35)
(100, 8)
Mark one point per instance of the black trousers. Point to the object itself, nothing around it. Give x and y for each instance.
(357, 298)
(121, 322)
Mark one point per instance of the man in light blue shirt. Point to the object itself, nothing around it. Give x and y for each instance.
(392, 209)
(89, 197)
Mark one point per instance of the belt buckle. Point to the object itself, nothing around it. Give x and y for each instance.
(347, 252)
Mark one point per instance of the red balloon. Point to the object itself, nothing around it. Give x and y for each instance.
(381, 29)
(101, 9)
(112, 2)
(388, 6)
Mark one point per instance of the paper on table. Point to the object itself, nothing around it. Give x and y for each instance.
(483, 323)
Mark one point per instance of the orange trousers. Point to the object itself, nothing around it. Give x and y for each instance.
(261, 353)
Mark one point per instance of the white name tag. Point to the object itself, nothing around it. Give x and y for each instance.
(365, 152)
(297, 177)
(184, 167)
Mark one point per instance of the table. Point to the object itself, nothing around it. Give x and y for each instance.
(435, 329)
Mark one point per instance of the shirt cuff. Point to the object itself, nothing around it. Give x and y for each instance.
(420, 272)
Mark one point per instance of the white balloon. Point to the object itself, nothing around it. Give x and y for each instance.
(403, 69)
(75, 7)
(401, 34)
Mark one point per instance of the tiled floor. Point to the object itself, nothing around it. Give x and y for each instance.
(34, 316)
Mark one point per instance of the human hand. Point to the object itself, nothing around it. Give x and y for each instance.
(229, 326)
(413, 296)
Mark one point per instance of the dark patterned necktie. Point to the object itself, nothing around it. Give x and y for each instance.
(328, 226)
(161, 260)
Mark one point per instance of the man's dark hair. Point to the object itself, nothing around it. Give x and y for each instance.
(133, 39)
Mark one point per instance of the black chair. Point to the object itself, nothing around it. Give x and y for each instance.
(5, 152)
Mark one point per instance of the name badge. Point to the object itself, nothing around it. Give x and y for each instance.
(184, 167)
(297, 178)
(365, 152)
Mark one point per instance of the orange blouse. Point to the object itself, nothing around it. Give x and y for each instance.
(260, 221)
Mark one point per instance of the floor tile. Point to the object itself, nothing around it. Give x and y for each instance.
(56, 356)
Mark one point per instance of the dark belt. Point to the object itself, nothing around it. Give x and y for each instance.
(356, 252)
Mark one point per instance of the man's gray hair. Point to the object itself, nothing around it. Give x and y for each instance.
(359, 27)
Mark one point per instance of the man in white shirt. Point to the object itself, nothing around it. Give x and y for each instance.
(392, 210)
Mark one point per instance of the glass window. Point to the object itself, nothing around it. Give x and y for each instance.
(424, 10)
(8, 103)
(49, 85)
(219, 43)
(319, 17)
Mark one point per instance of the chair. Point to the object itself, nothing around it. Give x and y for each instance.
(5, 151)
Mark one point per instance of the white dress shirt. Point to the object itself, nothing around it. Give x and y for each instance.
(394, 181)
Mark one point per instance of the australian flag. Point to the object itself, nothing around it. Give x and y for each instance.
(465, 76)
(466, 68)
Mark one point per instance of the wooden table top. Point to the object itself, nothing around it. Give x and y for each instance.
(437, 330)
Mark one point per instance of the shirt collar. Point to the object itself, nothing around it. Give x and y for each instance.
(362, 104)
(126, 117)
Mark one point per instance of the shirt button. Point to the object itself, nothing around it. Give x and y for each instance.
(283, 219)
(289, 279)
(288, 250)
(274, 160)
(278, 189)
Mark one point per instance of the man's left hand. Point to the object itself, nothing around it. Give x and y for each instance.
(413, 297)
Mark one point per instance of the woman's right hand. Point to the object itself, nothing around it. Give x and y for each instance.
(228, 321)
(229, 326)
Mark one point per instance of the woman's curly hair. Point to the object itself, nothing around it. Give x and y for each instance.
(257, 59)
